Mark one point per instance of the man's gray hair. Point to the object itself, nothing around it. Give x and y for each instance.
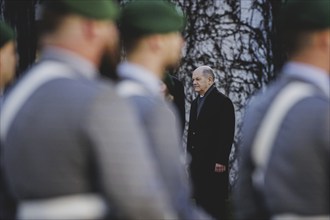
(208, 71)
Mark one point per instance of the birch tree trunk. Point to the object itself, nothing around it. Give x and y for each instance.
(236, 39)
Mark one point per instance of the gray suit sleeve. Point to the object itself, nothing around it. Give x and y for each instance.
(126, 168)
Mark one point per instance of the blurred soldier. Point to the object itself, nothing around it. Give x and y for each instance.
(7, 56)
(153, 43)
(64, 132)
(7, 72)
(210, 137)
(284, 169)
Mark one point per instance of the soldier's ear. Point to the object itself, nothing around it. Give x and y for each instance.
(323, 39)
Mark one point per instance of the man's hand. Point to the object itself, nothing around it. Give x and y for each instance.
(219, 168)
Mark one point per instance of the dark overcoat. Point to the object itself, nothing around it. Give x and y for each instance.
(210, 137)
(176, 89)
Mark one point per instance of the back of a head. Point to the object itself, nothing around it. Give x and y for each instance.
(6, 34)
(7, 55)
(299, 17)
(144, 17)
(54, 11)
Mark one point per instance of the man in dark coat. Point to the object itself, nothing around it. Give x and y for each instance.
(210, 137)
(176, 90)
(7, 73)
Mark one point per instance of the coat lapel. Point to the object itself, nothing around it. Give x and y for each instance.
(205, 105)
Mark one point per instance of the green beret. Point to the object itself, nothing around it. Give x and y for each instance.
(143, 17)
(306, 14)
(6, 33)
(94, 9)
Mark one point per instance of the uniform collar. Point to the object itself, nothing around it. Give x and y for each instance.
(140, 74)
(312, 74)
(74, 60)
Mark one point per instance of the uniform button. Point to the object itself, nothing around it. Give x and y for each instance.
(192, 147)
(194, 133)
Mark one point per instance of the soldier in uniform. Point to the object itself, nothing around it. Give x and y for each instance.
(7, 56)
(284, 167)
(153, 43)
(7, 73)
(64, 131)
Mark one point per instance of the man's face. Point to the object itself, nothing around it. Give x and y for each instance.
(7, 63)
(201, 82)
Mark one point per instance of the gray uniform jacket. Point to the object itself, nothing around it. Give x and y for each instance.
(163, 131)
(297, 175)
(74, 135)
